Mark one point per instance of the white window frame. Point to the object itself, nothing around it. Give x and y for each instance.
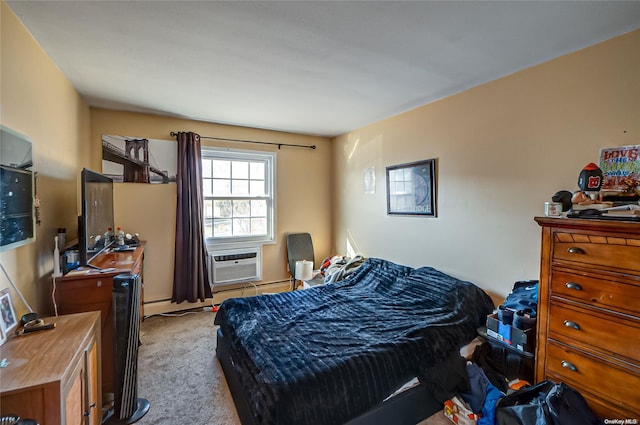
(269, 158)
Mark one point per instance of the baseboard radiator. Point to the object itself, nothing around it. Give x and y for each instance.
(232, 266)
(127, 406)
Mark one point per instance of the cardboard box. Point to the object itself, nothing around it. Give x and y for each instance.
(524, 340)
(517, 338)
(498, 330)
(459, 413)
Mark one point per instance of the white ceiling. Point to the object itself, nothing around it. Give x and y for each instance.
(311, 67)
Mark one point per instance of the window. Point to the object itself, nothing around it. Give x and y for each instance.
(239, 200)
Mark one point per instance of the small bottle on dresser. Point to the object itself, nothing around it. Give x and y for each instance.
(120, 236)
(108, 236)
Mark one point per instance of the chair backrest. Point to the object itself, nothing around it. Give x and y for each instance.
(299, 247)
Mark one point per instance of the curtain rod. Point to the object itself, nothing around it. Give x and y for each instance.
(279, 145)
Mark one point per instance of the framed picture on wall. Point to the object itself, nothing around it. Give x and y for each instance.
(139, 160)
(411, 188)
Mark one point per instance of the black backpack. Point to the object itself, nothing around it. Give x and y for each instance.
(545, 403)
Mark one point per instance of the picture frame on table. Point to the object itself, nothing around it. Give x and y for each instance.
(411, 188)
(8, 318)
(3, 336)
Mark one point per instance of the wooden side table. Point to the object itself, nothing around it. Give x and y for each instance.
(53, 376)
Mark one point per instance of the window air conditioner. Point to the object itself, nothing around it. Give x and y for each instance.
(235, 266)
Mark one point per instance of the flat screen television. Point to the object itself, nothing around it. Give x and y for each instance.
(97, 215)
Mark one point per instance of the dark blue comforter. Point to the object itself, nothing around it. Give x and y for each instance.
(327, 354)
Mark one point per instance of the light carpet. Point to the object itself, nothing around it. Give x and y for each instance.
(180, 376)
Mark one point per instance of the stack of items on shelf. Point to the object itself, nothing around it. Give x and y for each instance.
(514, 322)
(610, 191)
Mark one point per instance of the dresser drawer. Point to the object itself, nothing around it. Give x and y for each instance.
(607, 251)
(616, 384)
(604, 293)
(602, 408)
(568, 324)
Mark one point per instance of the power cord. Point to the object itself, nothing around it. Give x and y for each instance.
(53, 297)
(183, 313)
(245, 287)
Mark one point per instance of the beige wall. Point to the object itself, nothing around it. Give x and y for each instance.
(502, 150)
(39, 102)
(302, 194)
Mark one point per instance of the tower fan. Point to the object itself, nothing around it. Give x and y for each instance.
(127, 407)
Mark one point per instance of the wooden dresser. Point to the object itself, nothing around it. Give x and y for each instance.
(53, 376)
(589, 312)
(93, 291)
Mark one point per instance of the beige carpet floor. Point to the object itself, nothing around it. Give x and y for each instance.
(180, 376)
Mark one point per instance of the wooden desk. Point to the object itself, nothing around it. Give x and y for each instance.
(93, 291)
(53, 376)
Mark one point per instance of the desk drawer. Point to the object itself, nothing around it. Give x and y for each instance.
(616, 384)
(607, 251)
(567, 323)
(598, 292)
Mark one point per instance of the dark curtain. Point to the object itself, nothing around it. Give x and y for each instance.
(190, 277)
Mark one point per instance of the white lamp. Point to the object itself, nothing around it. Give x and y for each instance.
(304, 270)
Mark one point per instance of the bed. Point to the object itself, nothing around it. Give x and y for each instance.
(334, 354)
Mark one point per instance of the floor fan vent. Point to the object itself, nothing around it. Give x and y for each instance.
(127, 407)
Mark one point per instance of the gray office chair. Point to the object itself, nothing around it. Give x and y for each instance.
(300, 247)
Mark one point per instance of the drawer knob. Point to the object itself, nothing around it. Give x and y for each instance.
(570, 324)
(567, 365)
(573, 285)
(576, 250)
